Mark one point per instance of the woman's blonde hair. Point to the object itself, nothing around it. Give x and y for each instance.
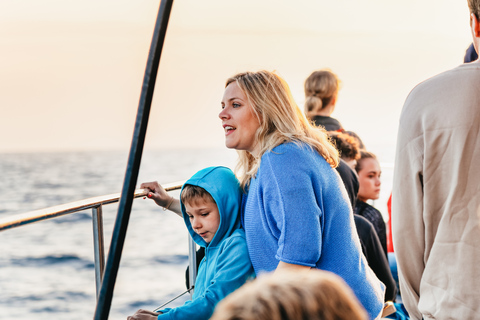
(320, 88)
(312, 295)
(280, 121)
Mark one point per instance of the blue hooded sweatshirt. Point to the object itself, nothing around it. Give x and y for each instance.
(226, 265)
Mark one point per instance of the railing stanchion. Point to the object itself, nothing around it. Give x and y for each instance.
(98, 246)
(192, 261)
(133, 164)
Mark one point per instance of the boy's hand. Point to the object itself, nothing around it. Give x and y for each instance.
(161, 197)
(144, 315)
(157, 193)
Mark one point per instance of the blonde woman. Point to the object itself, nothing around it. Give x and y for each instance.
(321, 92)
(296, 213)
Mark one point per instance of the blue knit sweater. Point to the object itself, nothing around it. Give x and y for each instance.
(297, 211)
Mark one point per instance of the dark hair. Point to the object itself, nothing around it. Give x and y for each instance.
(352, 134)
(347, 146)
(191, 193)
(364, 155)
(474, 6)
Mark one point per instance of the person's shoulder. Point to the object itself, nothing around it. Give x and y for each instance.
(360, 206)
(329, 123)
(291, 146)
(428, 102)
(290, 157)
(237, 237)
(347, 173)
(446, 79)
(368, 207)
(370, 212)
(289, 151)
(365, 228)
(235, 245)
(362, 223)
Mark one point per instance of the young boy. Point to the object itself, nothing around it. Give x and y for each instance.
(210, 203)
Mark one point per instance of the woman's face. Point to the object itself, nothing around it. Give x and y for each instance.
(369, 180)
(238, 120)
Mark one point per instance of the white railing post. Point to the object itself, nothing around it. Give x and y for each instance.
(98, 246)
(192, 262)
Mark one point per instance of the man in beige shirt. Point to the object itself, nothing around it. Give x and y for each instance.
(436, 193)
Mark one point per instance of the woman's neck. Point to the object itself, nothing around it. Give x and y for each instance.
(326, 112)
(361, 199)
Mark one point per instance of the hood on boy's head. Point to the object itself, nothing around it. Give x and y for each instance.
(225, 189)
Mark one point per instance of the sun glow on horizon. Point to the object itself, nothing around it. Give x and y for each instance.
(72, 71)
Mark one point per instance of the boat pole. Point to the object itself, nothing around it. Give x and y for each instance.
(120, 228)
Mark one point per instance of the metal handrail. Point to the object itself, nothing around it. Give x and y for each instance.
(72, 207)
(95, 204)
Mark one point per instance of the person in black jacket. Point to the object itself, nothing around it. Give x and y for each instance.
(371, 246)
(369, 172)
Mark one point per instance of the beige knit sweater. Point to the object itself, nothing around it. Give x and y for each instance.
(436, 196)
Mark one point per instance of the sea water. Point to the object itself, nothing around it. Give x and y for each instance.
(47, 269)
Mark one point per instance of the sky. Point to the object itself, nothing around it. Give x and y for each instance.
(71, 71)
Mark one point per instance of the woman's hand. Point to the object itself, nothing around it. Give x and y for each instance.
(161, 197)
(144, 315)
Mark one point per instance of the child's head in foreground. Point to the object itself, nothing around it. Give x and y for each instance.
(312, 295)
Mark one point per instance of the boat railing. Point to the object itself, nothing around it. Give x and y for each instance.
(96, 204)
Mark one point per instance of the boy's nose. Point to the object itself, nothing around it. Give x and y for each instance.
(196, 224)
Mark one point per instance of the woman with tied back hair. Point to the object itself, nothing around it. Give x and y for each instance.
(321, 91)
(314, 295)
(296, 213)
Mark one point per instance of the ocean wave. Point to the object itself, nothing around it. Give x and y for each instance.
(44, 261)
(48, 185)
(49, 296)
(170, 259)
(49, 309)
(141, 304)
(73, 218)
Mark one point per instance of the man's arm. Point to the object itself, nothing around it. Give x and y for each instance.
(407, 219)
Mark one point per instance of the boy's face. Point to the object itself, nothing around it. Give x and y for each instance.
(204, 218)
